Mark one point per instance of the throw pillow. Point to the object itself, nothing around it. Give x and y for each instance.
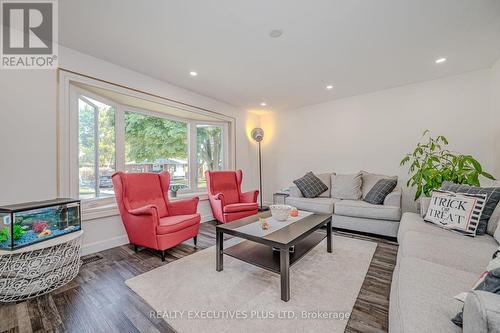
(346, 187)
(494, 221)
(493, 197)
(496, 235)
(326, 178)
(380, 190)
(459, 212)
(488, 281)
(370, 179)
(310, 185)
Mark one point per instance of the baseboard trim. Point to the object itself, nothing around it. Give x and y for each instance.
(120, 240)
(207, 218)
(104, 244)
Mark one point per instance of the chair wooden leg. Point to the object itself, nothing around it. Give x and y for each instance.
(162, 253)
(195, 239)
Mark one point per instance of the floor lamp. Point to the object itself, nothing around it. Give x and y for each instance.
(258, 135)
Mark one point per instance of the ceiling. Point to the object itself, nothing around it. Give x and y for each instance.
(358, 46)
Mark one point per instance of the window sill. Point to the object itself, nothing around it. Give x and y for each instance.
(107, 210)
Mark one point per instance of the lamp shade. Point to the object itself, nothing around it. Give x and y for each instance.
(257, 134)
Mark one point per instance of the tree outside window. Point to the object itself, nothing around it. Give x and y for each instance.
(209, 150)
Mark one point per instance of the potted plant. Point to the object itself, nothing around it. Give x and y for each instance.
(431, 164)
(174, 189)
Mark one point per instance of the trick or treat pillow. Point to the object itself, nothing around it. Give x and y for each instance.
(456, 211)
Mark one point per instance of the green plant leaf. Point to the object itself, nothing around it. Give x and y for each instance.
(431, 164)
(475, 163)
(487, 175)
(417, 195)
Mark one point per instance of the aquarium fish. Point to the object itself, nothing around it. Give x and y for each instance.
(44, 233)
(40, 226)
(25, 227)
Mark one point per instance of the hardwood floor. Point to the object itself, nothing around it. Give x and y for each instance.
(99, 301)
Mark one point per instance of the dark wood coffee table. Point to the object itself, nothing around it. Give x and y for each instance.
(258, 247)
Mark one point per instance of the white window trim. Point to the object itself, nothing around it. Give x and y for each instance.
(68, 161)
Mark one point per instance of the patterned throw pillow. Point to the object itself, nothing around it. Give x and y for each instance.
(380, 190)
(493, 196)
(454, 211)
(310, 185)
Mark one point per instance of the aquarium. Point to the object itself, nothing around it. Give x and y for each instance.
(29, 223)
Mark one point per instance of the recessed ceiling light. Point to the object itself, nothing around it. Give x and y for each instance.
(263, 104)
(192, 73)
(440, 60)
(329, 87)
(276, 33)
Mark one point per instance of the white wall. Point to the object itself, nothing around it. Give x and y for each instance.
(28, 135)
(373, 131)
(495, 108)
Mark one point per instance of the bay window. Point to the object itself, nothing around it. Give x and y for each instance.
(108, 135)
(155, 144)
(96, 148)
(209, 151)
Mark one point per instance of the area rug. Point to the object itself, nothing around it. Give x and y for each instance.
(193, 297)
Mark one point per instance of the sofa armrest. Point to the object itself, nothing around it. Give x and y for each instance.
(295, 192)
(481, 312)
(394, 198)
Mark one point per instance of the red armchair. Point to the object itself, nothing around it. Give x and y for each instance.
(150, 219)
(227, 201)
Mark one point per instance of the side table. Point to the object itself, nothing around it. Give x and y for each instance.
(40, 268)
(280, 197)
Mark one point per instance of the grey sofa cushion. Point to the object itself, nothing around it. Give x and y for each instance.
(295, 192)
(414, 222)
(380, 190)
(326, 178)
(310, 185)
(464, 253)
(422, 296)
(394, 198)
(492, 200)
(424, 203)
(481, 312)
(370, 179)
(372, 226)
(359, 208)
(315, 205)
(347, 187)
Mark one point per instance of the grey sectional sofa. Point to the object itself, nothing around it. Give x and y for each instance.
(433, 266)
(355, 215)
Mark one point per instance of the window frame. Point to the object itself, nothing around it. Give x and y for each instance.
(68, 136)
(194, 141)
